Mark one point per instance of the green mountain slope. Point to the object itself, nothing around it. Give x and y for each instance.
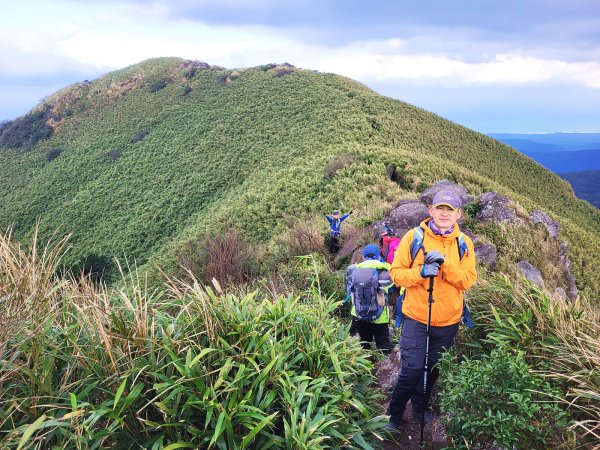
(586, 184)
(150, 155)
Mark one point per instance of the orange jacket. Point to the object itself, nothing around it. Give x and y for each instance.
(454, 277)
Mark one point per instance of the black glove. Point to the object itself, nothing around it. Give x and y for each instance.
(430, 270)
(350, 212)
(434, 257)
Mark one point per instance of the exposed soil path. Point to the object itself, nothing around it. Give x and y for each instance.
(435, 436)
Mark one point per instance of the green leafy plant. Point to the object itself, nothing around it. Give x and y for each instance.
(498, 400)
(182, 367)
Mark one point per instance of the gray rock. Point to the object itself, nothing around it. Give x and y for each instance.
(444, 185)
(560, 293)
(565, 264)
(494, 208)
(486, 254)
(531, 273)
(408, 214)
(472, 235)
(543, 218)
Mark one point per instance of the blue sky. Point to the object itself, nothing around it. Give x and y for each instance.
(493, 66)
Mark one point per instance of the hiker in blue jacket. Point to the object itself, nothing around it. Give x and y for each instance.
(335, 222)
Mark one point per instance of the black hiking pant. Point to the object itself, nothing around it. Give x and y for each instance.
(410, 380)
(334, 244)
(369, 332)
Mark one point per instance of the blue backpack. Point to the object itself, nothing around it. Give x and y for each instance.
(415, 246)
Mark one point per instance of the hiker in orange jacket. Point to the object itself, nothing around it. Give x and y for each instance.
(438, 258)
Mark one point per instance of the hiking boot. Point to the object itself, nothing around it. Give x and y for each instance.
(428, 415)
(393, 426)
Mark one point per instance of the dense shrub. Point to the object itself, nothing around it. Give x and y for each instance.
(338, 162)
(497, 399)
(98, 268)
(398, 175)
(139, 136)
(157, 85)
(53, 154)
(559, 339)
(226, 257)
(303, 238)
(186, 90)
(24, 132)
(114, 154)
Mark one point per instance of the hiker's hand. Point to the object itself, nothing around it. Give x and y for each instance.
(430, 270)
(434, 257)
(350, 212)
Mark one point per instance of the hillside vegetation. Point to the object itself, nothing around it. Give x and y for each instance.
(586, 184)
(147, 158)
(227, 173)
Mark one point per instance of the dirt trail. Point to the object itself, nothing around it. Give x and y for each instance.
(435, 436)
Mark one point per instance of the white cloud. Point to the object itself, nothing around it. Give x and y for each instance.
(112, 35)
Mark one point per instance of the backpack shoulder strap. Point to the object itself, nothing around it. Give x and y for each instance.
(462, 245)
(417, 243)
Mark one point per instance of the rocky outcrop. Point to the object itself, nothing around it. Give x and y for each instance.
(486, 254)
(531, 273)
(563, 258)
(444, 185)
(408, 214)
(494, 207)
(543, 218)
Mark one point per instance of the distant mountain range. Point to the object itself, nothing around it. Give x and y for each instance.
(550, 141)
(573, 156)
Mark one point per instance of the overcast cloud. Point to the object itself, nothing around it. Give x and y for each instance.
(512, 66)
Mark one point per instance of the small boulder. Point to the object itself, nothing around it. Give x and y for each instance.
(560, 293)
(486, 254)
(408, 214)
(543, 218)
(565, 263)
(531, 273)
(494, 208)
(446, 185)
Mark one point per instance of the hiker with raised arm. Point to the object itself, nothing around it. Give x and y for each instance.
(368, 285)
(435, 279)
(335, 223)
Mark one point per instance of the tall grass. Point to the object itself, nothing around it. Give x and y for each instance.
(181, 367)
(28, 285)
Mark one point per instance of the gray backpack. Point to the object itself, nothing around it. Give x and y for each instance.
(364, 286)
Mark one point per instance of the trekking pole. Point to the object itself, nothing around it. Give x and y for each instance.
(424, 404)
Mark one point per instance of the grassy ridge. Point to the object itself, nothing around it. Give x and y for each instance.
(247, 147)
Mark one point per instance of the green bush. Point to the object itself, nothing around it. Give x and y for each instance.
(497, 399)
(53, 154)
(24, 132)
(157, 85)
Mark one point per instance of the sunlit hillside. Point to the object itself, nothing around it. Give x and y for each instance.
(144, 158)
